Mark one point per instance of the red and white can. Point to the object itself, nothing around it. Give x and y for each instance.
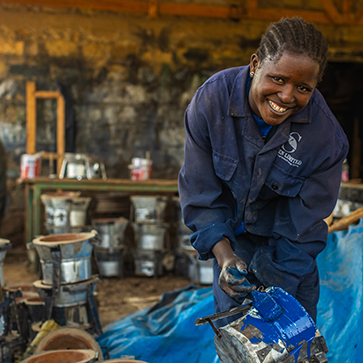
(29, 166)
(141, 169)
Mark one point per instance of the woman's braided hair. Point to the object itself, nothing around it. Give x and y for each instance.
(294, 35)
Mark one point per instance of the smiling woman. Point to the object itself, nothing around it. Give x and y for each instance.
(262, 168)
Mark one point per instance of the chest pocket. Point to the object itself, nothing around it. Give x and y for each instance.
(224, 166)
(283, 183)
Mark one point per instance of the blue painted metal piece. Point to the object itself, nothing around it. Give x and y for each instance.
(281, 319)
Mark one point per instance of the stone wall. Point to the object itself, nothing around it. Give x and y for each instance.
(129, 78)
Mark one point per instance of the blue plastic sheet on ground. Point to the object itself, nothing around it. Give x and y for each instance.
(166, 333)
(340, 313)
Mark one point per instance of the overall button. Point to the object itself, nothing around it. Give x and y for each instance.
(275, 187)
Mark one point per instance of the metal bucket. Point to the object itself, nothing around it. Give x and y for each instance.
(64, 211)
(150, 236)
(110, 231)
(149, 263)
(76, 316)
(78, 212)
(149, 209)
(183, 237)
(69, 295)
(61, 356)
(47, 199)
(200, 272)
(5, 245)
(73, 253)
(178, 217)
(110, 263)
(35, 307)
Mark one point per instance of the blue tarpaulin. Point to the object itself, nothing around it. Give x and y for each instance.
(166, 333)
(340, 312)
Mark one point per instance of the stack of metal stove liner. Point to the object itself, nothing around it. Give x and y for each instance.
(10, 331)
(11, 338)
(188, 263)
(67, 286)
(274, 329)
(65, 212)
(109, 252)
(150, 234)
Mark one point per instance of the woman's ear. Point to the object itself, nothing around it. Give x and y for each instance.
(254, 62)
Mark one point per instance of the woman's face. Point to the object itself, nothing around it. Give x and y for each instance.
(279, 89)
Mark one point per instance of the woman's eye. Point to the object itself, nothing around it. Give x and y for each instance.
(303, 89)
(278, 80)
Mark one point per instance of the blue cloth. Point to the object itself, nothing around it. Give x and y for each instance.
(281, 190)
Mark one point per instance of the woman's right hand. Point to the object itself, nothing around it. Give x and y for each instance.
(232, 278)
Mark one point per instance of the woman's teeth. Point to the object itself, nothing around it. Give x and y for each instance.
(276, 107)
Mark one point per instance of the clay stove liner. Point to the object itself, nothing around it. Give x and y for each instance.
(21, 287)
(25, 296)
(68, 338)
(62, 356)
(56, 239)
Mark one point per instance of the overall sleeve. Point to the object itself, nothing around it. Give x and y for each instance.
(207, 204)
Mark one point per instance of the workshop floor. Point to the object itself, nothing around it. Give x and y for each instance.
(116, 297)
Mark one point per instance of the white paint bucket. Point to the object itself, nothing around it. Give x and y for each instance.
(29, 166)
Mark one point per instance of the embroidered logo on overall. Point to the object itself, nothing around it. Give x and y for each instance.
(290, 147)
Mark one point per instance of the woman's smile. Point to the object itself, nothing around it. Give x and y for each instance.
(275, 107)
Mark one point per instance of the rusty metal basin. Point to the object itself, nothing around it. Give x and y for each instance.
(62, 356)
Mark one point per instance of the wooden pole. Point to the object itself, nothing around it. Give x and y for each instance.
(61, 125)
(31, 125)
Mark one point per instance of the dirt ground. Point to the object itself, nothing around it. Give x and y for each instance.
(116, 297)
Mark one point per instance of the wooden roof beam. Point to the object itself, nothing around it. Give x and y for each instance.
(332, 12)
(347, 10)
(153, 8)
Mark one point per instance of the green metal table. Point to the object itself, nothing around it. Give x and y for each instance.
(36, 186)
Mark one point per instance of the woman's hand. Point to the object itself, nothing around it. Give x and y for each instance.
(232, 279)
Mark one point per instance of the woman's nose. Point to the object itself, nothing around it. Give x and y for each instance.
(286, 95)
